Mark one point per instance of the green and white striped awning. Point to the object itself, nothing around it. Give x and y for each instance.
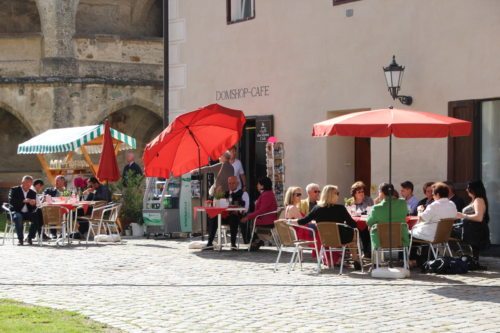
(62, 140)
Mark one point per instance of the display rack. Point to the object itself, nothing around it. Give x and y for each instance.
(275, 163)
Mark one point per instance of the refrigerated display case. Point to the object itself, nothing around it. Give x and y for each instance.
(163, 201)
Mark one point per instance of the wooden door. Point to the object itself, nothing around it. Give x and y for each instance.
(464, 153)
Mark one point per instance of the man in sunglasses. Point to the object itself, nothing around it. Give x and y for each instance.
(307, 204)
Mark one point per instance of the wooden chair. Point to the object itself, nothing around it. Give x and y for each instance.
(286, 237)
(329, 235)
(441, 238)
(55, 217)
(393, 240)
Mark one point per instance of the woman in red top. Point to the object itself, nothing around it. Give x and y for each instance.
(265, 203)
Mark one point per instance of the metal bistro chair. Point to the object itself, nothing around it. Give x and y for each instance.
(110, 223)
(329, 235)
(10, 226)
(255, 227)
(55, 217)
(441, 238)
(98, 219)
(286, 237)
(387, 240)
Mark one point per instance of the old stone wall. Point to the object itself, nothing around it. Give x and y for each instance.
(67, 63)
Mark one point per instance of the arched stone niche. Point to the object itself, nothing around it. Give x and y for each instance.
(12, 133)
(125, 18)
(138, 122)
(19, 17)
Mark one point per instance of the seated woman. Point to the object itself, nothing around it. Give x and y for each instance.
(265, 203)
(358, 199)
(327, 210)
(292, 203)
(359, 203)
(380, 214)
(440, 208)
(475, 217)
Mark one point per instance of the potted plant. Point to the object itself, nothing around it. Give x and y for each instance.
(132, 194)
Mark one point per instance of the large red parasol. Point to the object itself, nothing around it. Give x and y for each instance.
(108, 167)
(191, 139)
(389, 122)
(397, 122)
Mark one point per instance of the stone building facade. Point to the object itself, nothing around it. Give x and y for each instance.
(66, 63)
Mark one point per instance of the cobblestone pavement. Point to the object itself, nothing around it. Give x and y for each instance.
(161, 286)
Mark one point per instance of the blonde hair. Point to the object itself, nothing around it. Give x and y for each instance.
(329, 196)
(289, 195)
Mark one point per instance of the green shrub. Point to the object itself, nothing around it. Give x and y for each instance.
(131, 198)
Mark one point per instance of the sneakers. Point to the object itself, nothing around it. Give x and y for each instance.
(234, 248)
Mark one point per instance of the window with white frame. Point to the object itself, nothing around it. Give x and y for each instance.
(240, 10)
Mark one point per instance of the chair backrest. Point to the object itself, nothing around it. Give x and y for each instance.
(443, 231)
(329, 234)
(385, 236)
(53, 215)
(7, 208)
(285, 233)
(99, 209)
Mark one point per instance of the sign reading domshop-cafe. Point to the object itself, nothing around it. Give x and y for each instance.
(237, 93)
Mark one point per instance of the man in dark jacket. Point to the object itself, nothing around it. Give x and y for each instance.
(23, 201)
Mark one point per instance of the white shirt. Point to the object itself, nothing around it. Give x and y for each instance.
(238, 171)
(245, 198)
(25, 207)
(436, 211)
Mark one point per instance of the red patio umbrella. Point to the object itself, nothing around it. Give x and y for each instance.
(389, 122)
(108, 167)
(191, 139)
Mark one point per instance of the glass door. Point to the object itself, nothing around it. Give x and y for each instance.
(490, 163)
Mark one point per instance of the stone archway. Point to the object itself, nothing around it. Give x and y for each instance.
(13, 166)
(139, 122)
(19, 17)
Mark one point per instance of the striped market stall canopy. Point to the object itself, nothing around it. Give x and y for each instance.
(71, 139)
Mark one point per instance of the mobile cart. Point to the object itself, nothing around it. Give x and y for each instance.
(167, 205)
(56, 149)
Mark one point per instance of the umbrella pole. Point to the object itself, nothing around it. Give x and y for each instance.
(390, 200)
(199, 176)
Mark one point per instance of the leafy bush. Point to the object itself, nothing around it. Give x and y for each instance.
(132, 195)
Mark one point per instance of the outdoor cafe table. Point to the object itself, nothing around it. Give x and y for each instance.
(361, 221)
(218, 211)
(71, 206)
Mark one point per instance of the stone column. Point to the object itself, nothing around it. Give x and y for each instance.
(57, 18)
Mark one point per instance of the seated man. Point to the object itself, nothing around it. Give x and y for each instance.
(23, 201)
(380, 214)
(307, 204)
(237, 198)
(407, 194)
(95, 192)
(58, 190)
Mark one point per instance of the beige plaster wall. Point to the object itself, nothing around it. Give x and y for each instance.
(316, 60)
